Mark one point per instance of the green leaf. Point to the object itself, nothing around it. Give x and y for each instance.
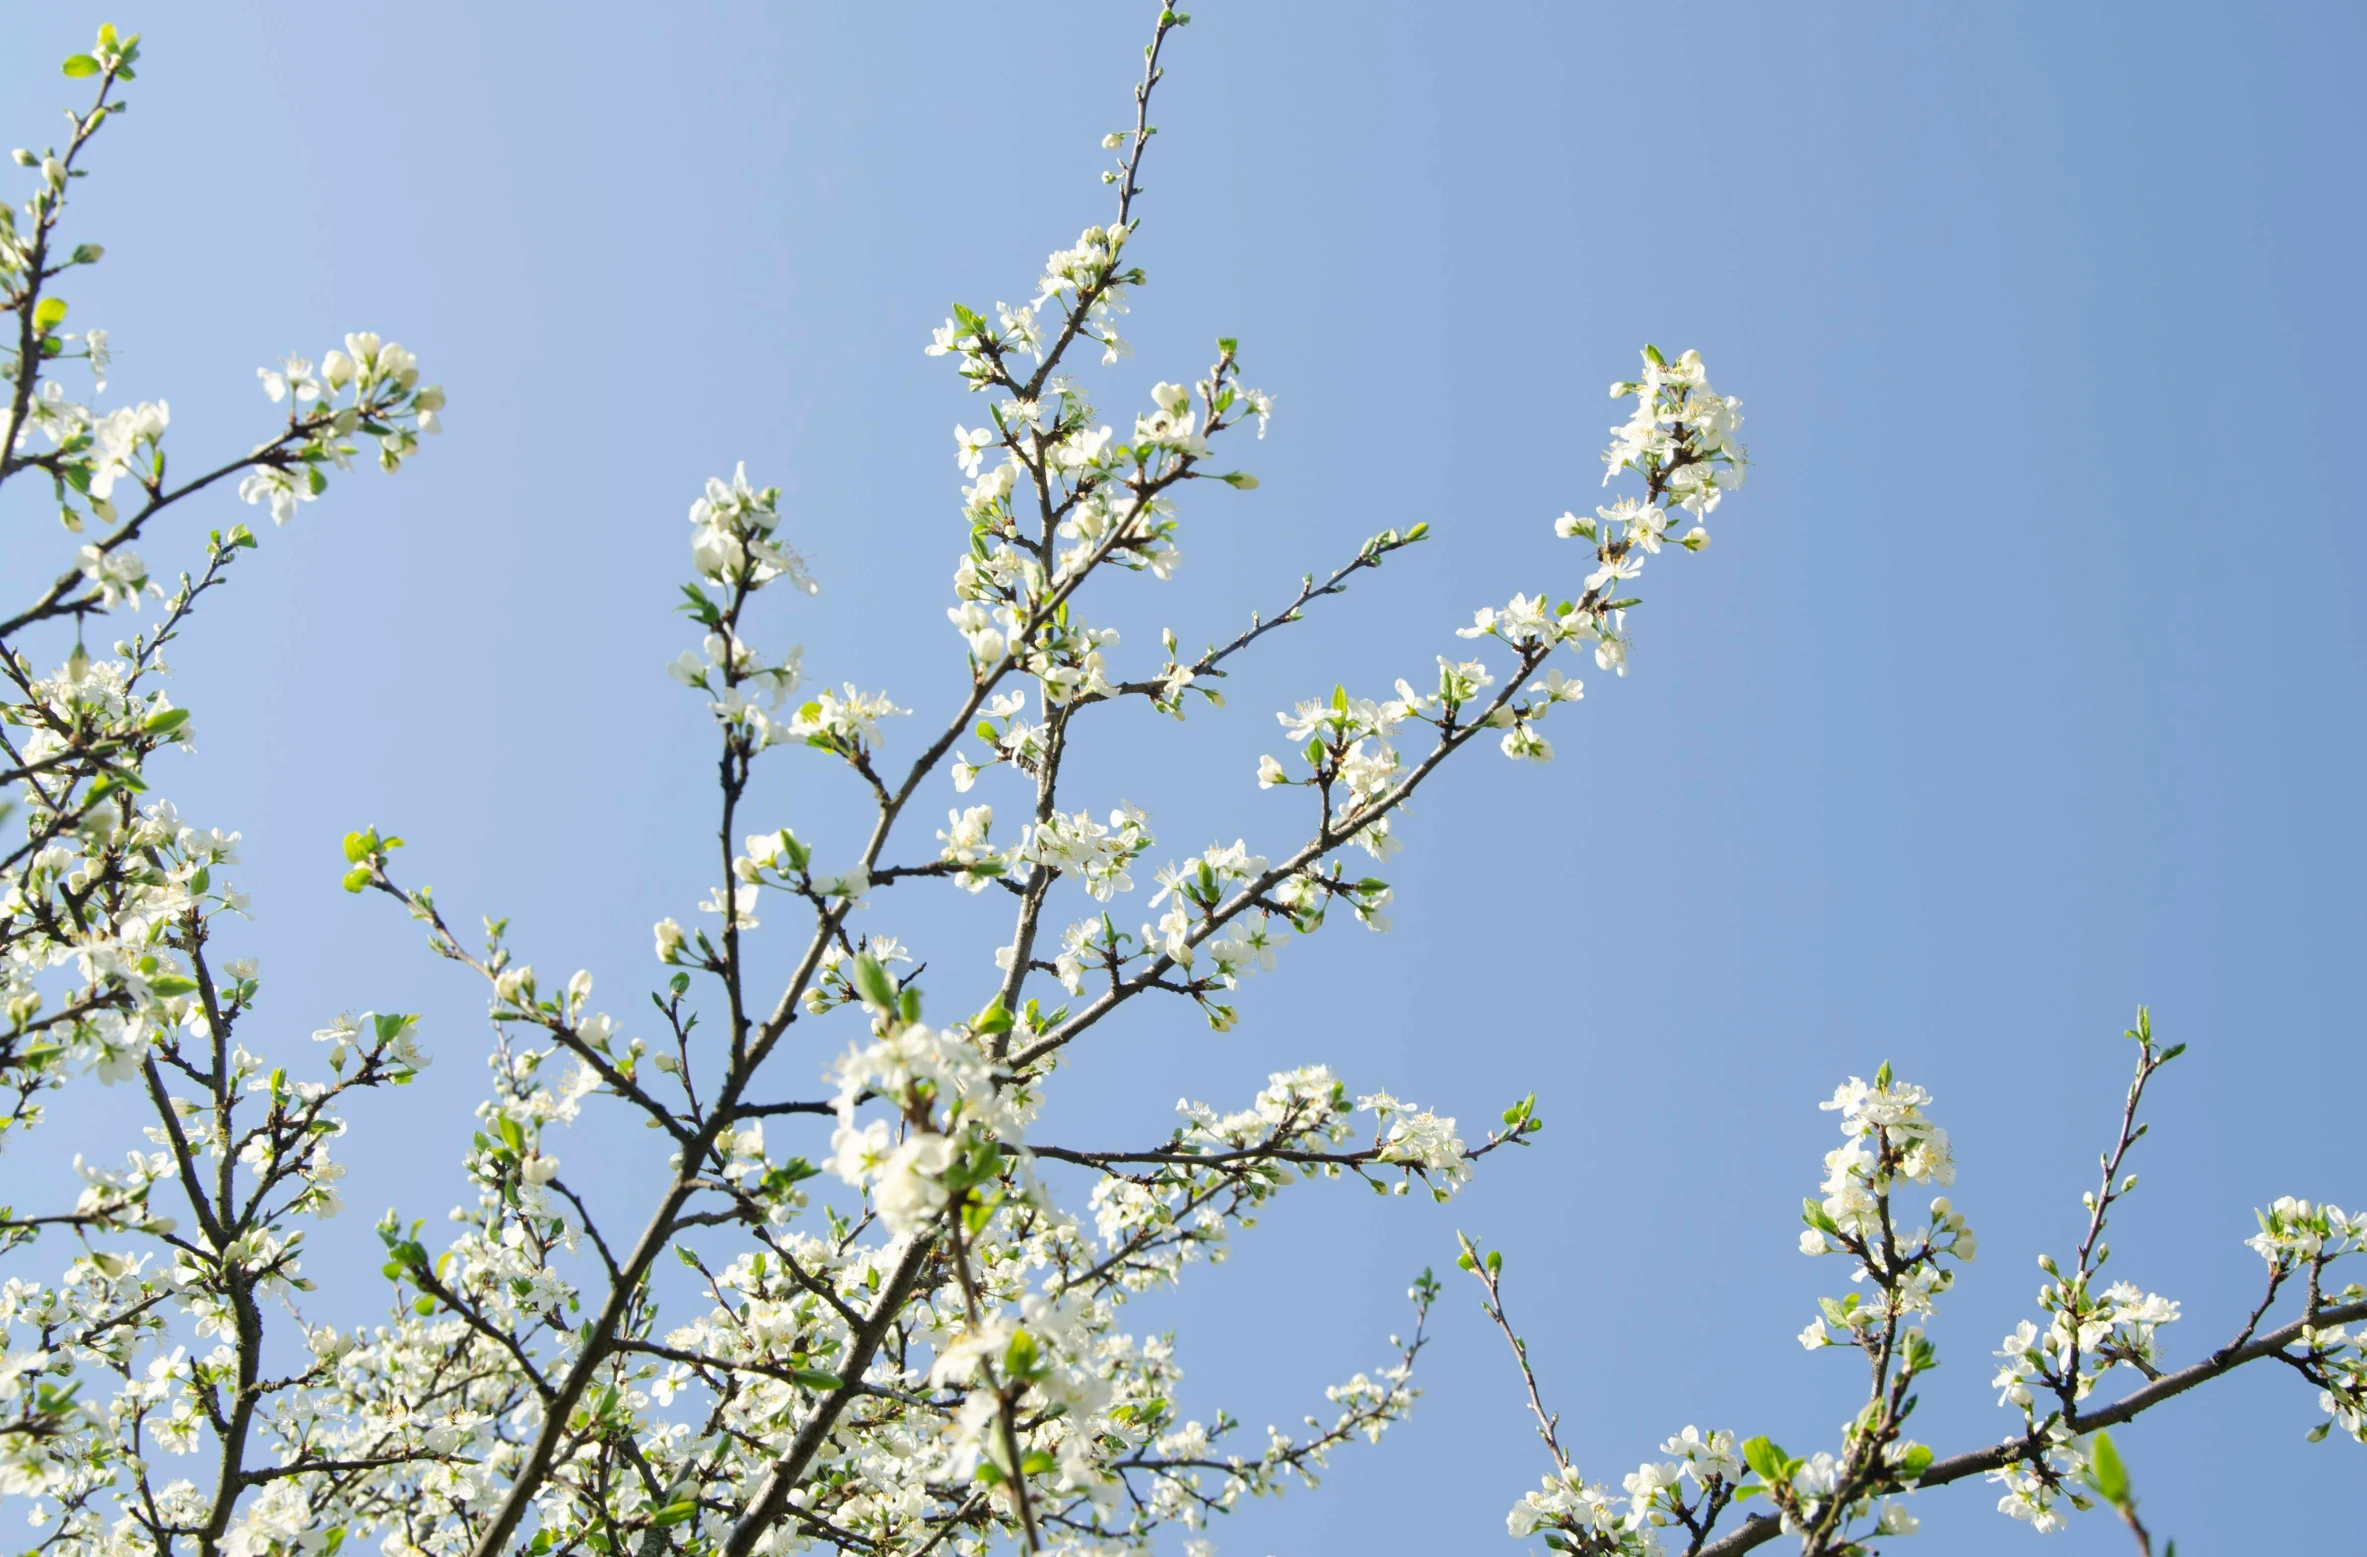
(795, 1171)
(1761, 1455)
(357, 878)
(1915, 1462)
(170, 984)
(170, 719)
(816, 1378)
(674, 1513)
(995, 1020)
(2106, 1474)
(80, 65)
(873, 984)
(49, 313)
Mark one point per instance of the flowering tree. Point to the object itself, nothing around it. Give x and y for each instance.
(2058, 1454)
(111, 901)
(874, 1314)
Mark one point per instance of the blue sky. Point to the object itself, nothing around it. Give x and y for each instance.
(2019, 687)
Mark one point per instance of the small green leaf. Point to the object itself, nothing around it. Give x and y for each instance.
(2106, 1474)
(80, 65)
(1763, 1456)
(674, 1513)
(49, 313)
(170, 984)
(873, 984)
(357, 878)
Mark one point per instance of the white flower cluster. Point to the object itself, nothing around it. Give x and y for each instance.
(1889, 1141)
(1681, 437)
(2294, 1233)
(1584, 1517)
(1097, 855)
(1681, 441)
(2085, 1339)
(378, 384)
(736, 550)
(1219, 1168)
(2300, 1237)
(948, 1106)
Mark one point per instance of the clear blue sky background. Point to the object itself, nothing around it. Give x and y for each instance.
(2020, 686)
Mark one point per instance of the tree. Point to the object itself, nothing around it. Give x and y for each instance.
(2059, 1456)
(907, 1338)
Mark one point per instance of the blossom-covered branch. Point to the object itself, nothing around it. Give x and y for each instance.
(1838, 1503)
(891, 1321)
